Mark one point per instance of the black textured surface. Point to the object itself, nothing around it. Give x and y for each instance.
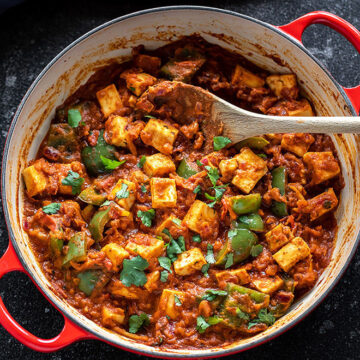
(32, 33)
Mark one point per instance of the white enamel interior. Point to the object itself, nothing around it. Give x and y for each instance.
(153, 29)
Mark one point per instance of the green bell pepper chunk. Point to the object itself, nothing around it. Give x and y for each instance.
(91, 196)
(279, 181)
(256, 142)
(77, 249)
(91, 156)
(88, 280)
(239, 244)
(185, 170)
(254, 222)
(244, 204)
(257, 296)
(56, 246)
(98, 222)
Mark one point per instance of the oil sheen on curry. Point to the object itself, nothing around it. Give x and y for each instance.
(153, 235)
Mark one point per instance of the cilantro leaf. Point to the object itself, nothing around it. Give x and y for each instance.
(181, 241)
(177, 221)
(205, 269)
(132, 88)
(146, 217)
(150, 117)
(74, 117)
(177, 301)
(256, 250)
(141, 162)
(263, 156)
(196, 238)
(219, 192)
(199, 163)
(164, 276)
(133, 271)
(143, 189)
(211, 294)
(165, 263)
(197, 190)
(123, 193)
(229, 260)
(212, 174)
(52, 208)
(210, 254)
(264, 317)
(74, 180)
(106, 203)
(111, 164)
(174, 248)
(220, 142)
(242, 315)
(137, 321)
(201, 324)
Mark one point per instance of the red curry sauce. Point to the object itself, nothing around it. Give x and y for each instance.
(149, 235)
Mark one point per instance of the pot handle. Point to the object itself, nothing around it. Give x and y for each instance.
(70, 332)
(296, 29)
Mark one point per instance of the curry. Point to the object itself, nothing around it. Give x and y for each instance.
(155, 236)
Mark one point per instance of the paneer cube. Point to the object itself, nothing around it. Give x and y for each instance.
(159, 135)
(152, 249)
(115, 130)
(116, 254)
(251, 168)
(283, 85)
(302, 108)
(109, 100)
(201, 218)
(297, 249)
(297, 143)
(268, 285)
(121, 189)
(117, 288)
(168, 305)
(228, 168)
(62, 172)
(138, 82)
(112, 317)
(321, 204)
(170, 224)
(163, 193)
(189, 262)
(237, 276)
(139, 177)
(278, 237)
(242, 76)
(152, 281)
(322, 165)
(158, 165)
(35, 180)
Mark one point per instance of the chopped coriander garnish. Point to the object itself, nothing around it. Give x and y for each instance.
(213, 174)
(146, 217)
(150, 117)
(177, 301)
(52, 208)
(211, 294)
(132, 88)
(74, 117)
(133, 271)
(264, 317)
(137, 321)
(210, 254)
(74, 180)
(205, 269)
(175, 247)
(141, 162)
(242, 315)
(201, 324)
(199, 163)
(196, 238)
(110, 164)
(164, 276)
(143, 189)
(220, 142)
(256, 250)
(219, 192)
(123, 193)
(197, 190)
(165, 263)
(229, 260)
(263, 156)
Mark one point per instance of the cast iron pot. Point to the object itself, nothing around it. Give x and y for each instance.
(275, 48)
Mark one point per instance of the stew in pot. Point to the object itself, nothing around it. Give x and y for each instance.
(148, 234)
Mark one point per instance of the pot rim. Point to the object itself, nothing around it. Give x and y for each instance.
(133, 346)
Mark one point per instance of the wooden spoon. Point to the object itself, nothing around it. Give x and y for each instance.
(188, 102)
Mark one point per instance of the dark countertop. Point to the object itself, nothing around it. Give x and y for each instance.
(34, 32)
